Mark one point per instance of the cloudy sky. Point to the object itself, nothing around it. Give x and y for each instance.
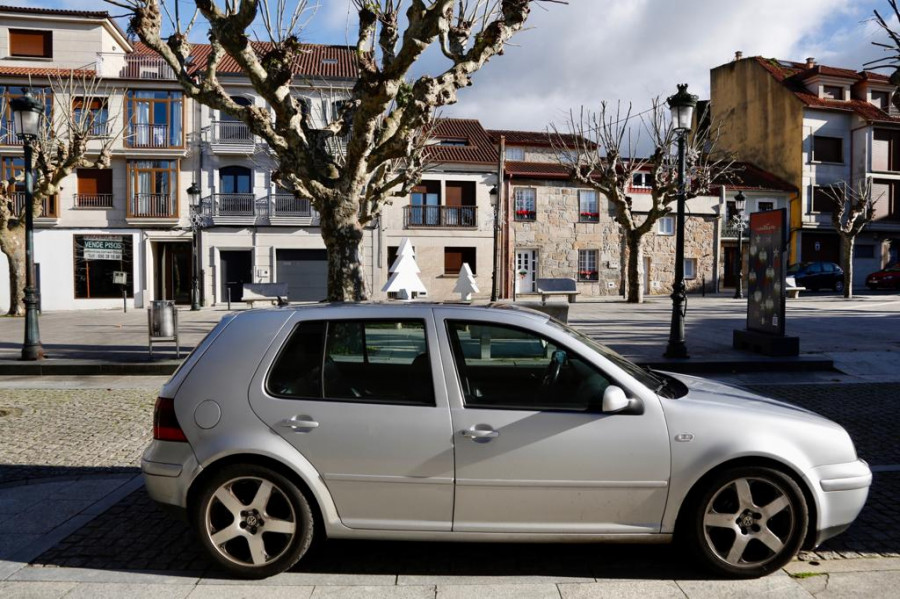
(625, 50)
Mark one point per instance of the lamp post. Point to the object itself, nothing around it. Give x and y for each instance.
(740, 202)
(495, 200)
(194, 193)
(682, 106)
(28, 114)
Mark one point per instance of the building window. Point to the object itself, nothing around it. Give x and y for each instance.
(95, 188)
(515, 154)
(7, 93)
(14, 168)
(881, 99)
(822, 199)
(526, 203)
(762, 206)
(154, 119)
(641, 180)
(665, 226)
(152, 186)
(886, 199)
(460, 143)
(588, 211)
(587, 265)
(455, 257)
(863, 251)
(30, 43)
(97, 257)
(425, 204)
(832, 92)
(690, 268)
(828, 149)
(91, 115)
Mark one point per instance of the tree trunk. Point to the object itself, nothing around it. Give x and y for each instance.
(635, 268)
(12, 243)
(847, 264)
(343, 234)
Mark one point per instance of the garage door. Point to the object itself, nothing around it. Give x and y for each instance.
(305, 272)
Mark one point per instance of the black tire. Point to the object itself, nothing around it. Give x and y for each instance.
(262, 533)
(839, 286)
(729, 531)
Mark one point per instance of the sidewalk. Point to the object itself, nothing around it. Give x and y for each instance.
(830, 328)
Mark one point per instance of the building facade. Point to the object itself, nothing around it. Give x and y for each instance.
(814, 126)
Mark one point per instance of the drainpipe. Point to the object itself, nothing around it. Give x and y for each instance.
(717, 239)
(496, 276)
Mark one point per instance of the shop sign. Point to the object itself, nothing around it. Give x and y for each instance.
(103, 247)
(765, 279)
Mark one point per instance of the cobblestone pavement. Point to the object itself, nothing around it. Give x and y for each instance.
(107, 429)
(55, 432)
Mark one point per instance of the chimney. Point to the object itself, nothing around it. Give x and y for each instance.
(738, 55)
(810, 62)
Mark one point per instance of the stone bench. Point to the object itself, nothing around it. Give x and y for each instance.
(791, 289)
(550, 287)
(275, 293)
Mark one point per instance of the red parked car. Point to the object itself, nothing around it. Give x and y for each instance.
(886, 278)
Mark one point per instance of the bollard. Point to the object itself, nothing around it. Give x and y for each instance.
(229, 299)
(703, 286)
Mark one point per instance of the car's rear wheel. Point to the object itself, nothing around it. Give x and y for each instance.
(839, 285)
(748, 522)
(253, 520)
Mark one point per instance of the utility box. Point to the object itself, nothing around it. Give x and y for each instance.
(162, 324)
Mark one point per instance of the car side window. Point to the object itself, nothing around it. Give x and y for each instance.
(503, 367)
(814, 268)
(380, 361)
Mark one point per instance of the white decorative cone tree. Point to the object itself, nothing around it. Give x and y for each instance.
(465, 285)
(404, 271)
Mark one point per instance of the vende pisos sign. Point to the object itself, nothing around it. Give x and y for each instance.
(106, 247)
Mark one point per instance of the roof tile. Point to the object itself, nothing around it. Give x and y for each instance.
(479, 148)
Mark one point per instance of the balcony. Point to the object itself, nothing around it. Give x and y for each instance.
(159, 206)
(48, 207)
(247, 209)
(151, 135)
(231, 137)
(731, 229)
(289, 210)
(440, 216)
(133, 66)
(93, 200)
(8, 133)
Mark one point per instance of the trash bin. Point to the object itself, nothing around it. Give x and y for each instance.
(162, 318)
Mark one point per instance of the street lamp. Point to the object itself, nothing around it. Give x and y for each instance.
(194, 193)
(27, 116)
(682, 106)
(495, 201)
(740, 202)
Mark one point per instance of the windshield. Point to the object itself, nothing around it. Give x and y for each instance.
(645, 377)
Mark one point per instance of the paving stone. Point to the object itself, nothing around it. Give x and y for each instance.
(622, 589)
(85, 575)
(35, 590)
(852, 584)
(514, 590)
(363, 592)
(131, 591)
(778, 584)
(259, 590)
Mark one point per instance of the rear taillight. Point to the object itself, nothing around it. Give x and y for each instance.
(165, 423)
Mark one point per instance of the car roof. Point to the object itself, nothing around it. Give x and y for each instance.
(393, 305)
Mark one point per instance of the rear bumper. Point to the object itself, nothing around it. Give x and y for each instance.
(842, 490)
(169, 468)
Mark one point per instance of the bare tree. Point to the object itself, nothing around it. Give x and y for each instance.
(77, 136)
(599, 150)
(381, 119)
(853, 207)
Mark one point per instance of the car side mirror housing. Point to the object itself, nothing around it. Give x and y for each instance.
(614, 400)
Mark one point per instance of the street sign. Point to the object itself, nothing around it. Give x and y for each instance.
(103, 247)
(120, 277)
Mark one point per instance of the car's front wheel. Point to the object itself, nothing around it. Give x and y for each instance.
(253, 520)
(748, 522)
(839, 285)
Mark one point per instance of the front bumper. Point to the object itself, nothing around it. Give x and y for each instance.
(842, 490)
(169, 468)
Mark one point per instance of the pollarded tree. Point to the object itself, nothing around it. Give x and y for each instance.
(852, 208)
(381, 121)
(599, 150)
(77, 134)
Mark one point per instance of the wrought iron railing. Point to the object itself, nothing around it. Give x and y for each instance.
(231, 132)
(93, 200)
(145, 66)
(440, 216)
(8, 135)
(152, 135)
(285, 204)
(48, 205)
(230, 204)
(152, 205)
(732, 229)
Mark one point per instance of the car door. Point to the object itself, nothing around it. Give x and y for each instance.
(534, 452)
(356, 396)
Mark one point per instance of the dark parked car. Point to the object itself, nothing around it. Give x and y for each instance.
(886, 278)
(817, 275)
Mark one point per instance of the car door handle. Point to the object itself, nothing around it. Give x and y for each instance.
(299, 423)
(480, 431)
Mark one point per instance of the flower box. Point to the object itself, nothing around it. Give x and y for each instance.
(588, 275)
(525, 214)
(591, 217)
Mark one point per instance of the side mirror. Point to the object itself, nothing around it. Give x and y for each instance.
(614, 400)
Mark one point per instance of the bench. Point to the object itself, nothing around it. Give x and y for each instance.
(791, 289)
(548, 287)
(275, 293)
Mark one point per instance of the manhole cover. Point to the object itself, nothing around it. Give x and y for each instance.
(4, 412)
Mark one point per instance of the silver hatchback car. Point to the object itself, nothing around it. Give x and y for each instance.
(448, 422)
